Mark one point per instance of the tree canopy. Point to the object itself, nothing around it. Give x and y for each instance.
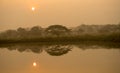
(57, 30)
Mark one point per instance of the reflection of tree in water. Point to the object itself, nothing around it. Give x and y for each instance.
(98, 45)
(54, 50)
(58, 50)
(28, 48)
(36, 49)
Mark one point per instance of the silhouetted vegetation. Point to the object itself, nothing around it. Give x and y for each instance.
(53, 50)
(59, 33)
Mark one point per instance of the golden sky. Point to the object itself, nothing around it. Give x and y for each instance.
(18, 13)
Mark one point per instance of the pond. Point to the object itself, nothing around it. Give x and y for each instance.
(60, 58)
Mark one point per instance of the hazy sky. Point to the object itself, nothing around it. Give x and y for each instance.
(16, 13)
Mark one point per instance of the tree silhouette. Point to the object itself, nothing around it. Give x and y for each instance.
(9, 34)
(22, 32)
(35, 31)
(57, 30)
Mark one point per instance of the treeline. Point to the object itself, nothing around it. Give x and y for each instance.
(108, 32)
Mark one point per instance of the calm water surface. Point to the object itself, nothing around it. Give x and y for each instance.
(59, 58)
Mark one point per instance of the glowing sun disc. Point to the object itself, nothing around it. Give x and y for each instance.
(34, 64)
(33, 8)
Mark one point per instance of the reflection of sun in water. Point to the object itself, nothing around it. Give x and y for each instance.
(33, 8)
(34, 64)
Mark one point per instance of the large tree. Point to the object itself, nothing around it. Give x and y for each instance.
(57, 30)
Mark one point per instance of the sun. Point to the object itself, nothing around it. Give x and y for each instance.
(34, 64)
(33, 8)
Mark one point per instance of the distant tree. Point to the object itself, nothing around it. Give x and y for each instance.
(118, 27)
(22, 32)
(9, 34)
(20, 29)
(81, 28)
(36, 30)
(57, 30)
(109, 28)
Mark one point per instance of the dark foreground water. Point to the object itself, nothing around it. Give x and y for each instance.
(60, 58)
